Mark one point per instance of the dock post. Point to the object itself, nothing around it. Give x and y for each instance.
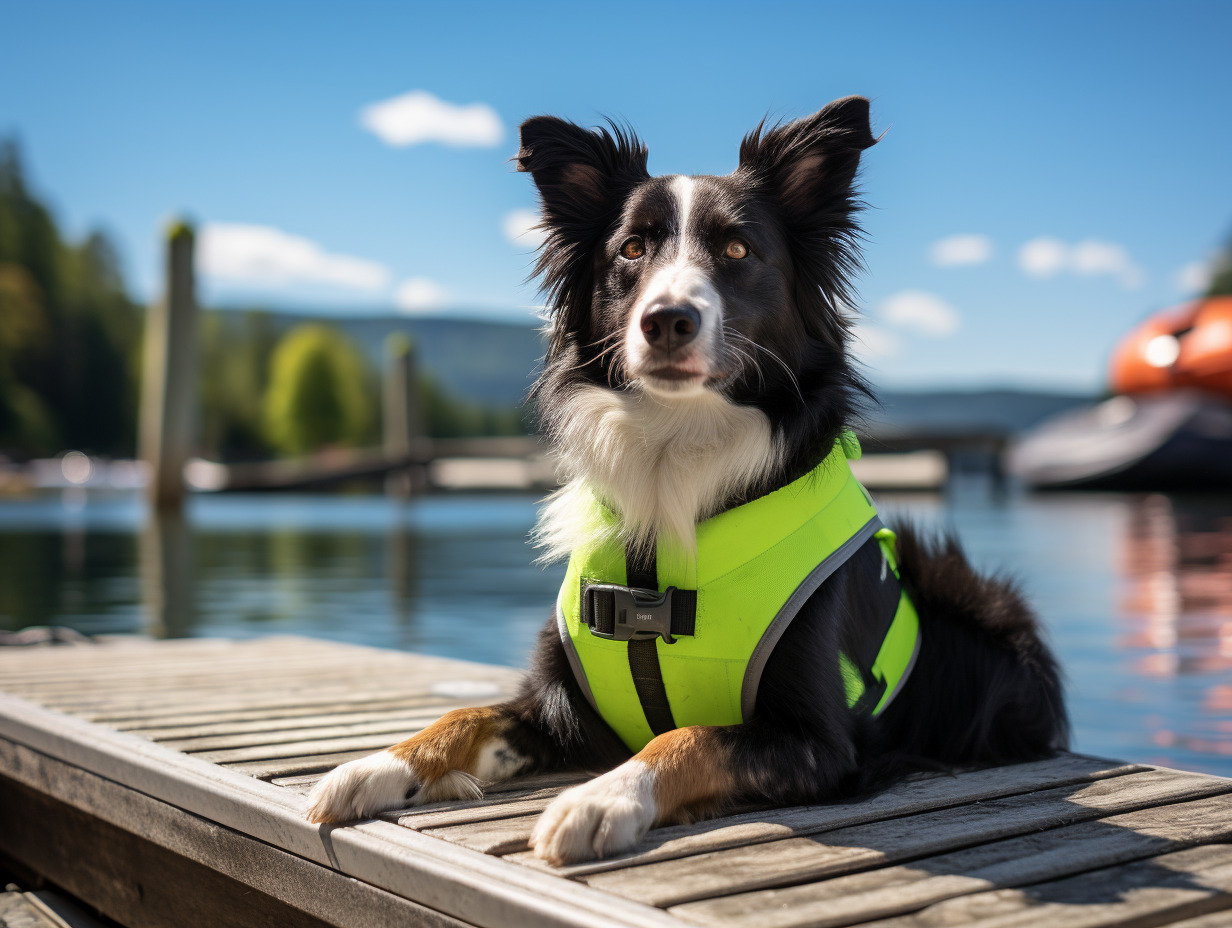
(402, 421)
(169, 387)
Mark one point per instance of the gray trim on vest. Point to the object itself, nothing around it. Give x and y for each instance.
(575, 662)
(902, 681)
(778, 625)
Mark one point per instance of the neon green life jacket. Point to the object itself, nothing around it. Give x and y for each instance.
(687, 644)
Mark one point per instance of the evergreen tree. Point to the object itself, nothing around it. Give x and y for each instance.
(69, 335)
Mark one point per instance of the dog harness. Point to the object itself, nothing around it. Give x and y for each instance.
(670, 638)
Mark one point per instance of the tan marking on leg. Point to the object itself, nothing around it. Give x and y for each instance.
(453, 742)
(692, 767)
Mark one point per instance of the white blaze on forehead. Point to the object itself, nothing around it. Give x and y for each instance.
(681, 281)
(682, 189)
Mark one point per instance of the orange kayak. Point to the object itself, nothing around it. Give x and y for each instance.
(1189, 347)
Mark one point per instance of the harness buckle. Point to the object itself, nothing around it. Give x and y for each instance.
(638, 613)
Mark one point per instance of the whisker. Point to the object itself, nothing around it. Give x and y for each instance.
(790, 374)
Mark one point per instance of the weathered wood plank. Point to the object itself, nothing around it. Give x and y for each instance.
(321, 717)
(273, 707)
(104, 708)
(393, 727)
(1221, 919)
(85, 696)
(262, 752)
(290, 766)
(1158, 891)
(1036, 858)
(832, 853)
(921, 794)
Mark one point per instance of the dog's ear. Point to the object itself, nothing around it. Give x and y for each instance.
(582, 175)
(809, 168)
(811, 163)
(583, 178)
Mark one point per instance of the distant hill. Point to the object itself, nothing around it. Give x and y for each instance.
(494, 363)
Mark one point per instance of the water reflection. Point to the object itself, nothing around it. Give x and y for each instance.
(1176, 609)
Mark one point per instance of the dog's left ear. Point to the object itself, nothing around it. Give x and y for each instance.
(811, 163)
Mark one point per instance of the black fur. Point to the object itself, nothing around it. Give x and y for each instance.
(985, 688)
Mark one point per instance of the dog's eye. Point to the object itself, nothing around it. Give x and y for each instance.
(633, 248)
(736, 249)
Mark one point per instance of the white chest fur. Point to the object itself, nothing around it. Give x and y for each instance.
(663, 462)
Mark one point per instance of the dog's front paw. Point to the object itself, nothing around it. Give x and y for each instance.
(362, 788)
(605, 816)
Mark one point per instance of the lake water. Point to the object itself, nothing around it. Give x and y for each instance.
(1136, 591)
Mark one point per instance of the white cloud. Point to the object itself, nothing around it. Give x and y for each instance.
(519, 227)
(1047, 257)
(417, 117)
(419, 294)
(1194, 277)
(920, 312)
(873, 342)
(1092, 258)
(1043, 257)
(264, 255)
(958, 250)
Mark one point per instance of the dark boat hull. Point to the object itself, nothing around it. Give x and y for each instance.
(1175, 441)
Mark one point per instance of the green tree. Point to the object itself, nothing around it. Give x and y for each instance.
(319, 392)
(69, 334)
(1221, 276)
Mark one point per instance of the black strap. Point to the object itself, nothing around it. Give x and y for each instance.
(642, 570)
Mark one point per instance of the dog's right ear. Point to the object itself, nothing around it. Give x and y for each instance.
(583, 176)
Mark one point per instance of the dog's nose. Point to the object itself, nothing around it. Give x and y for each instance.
(671, 327)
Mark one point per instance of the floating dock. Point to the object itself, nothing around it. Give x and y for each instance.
(163, 783)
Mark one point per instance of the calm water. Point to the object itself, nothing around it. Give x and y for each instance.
(1136, 591)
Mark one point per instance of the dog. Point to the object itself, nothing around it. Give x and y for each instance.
(698, 370)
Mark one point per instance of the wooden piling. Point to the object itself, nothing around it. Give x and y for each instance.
(402, 419)
(168, 391)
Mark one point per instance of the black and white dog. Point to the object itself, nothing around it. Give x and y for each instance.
(699, 359)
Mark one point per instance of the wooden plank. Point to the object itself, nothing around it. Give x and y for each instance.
(395, 727)
(475, 888)
(336, 745)
(86, 695)
(291, 766)
(303, 783)
(794, 860)
(920, 794)
(1035, 858)
(208, 727)
(100, 706)
(1182, 885)
(1222, 919)
(282, 706)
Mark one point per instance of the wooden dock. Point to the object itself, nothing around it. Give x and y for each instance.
(163, 783)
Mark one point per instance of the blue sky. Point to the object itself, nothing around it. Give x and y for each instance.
(1098, 135)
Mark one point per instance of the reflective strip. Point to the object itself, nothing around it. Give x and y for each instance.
(898, 652)
(575, 662)
(795, 602)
